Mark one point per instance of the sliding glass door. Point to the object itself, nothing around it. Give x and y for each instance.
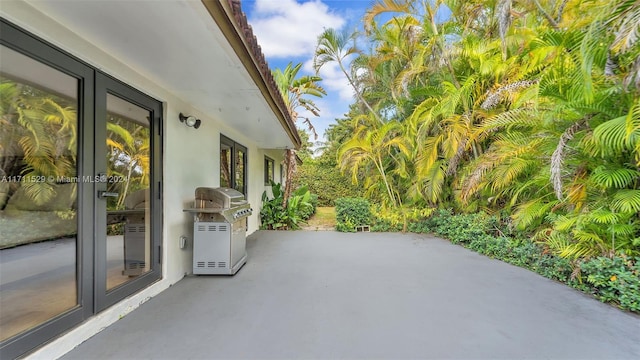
(80, 191)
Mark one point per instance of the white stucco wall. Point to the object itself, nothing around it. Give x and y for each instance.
(191, 159)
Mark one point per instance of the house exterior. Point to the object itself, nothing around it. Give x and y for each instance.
(93, 149)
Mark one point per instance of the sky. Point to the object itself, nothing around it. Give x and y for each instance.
(287, 31)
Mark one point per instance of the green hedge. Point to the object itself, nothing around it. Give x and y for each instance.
(352, 212)
(326, 181)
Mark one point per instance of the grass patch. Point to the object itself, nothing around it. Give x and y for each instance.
(325, 217)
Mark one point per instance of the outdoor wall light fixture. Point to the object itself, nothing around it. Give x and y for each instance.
(190, 121)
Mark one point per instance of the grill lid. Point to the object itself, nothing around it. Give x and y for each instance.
(222, 198)
(219, 204)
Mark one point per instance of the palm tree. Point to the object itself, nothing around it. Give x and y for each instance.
(375, 148)
(295, 90)
(335, 46)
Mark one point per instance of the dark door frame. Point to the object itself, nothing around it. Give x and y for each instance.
(108, 85)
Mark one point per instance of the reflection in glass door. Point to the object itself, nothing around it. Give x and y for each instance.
(38, 193)
(127, 194)
(240, 169)
(127, 211)
(225, 164)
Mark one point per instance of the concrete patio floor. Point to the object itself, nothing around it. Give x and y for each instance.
(328, 295)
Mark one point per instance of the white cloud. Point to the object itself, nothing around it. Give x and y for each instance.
(286, 28)
(333, 79)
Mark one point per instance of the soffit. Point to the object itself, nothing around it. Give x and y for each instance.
(177, 45)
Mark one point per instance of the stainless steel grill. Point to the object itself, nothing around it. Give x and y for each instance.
(219, 230)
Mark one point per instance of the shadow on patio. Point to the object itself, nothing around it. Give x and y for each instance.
(367, 295)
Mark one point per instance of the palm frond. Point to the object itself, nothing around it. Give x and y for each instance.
(603, 216)
(625, 19)
(618, 178)
(512, 118)
(613, 136)
(565, 223)
(532, 211)
(433, 181)
(627, 200)
(384, 6)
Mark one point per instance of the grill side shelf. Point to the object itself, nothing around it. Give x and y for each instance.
(205, 210)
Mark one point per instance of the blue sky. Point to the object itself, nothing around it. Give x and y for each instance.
(287, 31)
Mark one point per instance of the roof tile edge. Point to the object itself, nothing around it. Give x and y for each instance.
(259, 59)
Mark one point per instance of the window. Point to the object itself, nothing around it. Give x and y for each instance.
(233, 165)
(268, 170)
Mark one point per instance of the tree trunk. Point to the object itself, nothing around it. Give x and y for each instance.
(290, 164)
(358, 95)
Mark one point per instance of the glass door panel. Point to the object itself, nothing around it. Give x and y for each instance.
(128, 245)
(38, 193)
(128, 191)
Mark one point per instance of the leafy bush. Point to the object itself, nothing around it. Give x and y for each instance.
(523, 253)
(464, 228)
(381, 225)
(307, 212)
(614, 280)
(399, 219)
(352, 212)
(274, 216)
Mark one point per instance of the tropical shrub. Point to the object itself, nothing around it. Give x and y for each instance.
(307, 212)
(300, 206)
(352, 212)
(273, 214)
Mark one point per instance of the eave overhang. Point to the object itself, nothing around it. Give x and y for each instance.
(233, 23)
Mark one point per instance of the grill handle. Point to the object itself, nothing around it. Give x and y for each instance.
(107, 194)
